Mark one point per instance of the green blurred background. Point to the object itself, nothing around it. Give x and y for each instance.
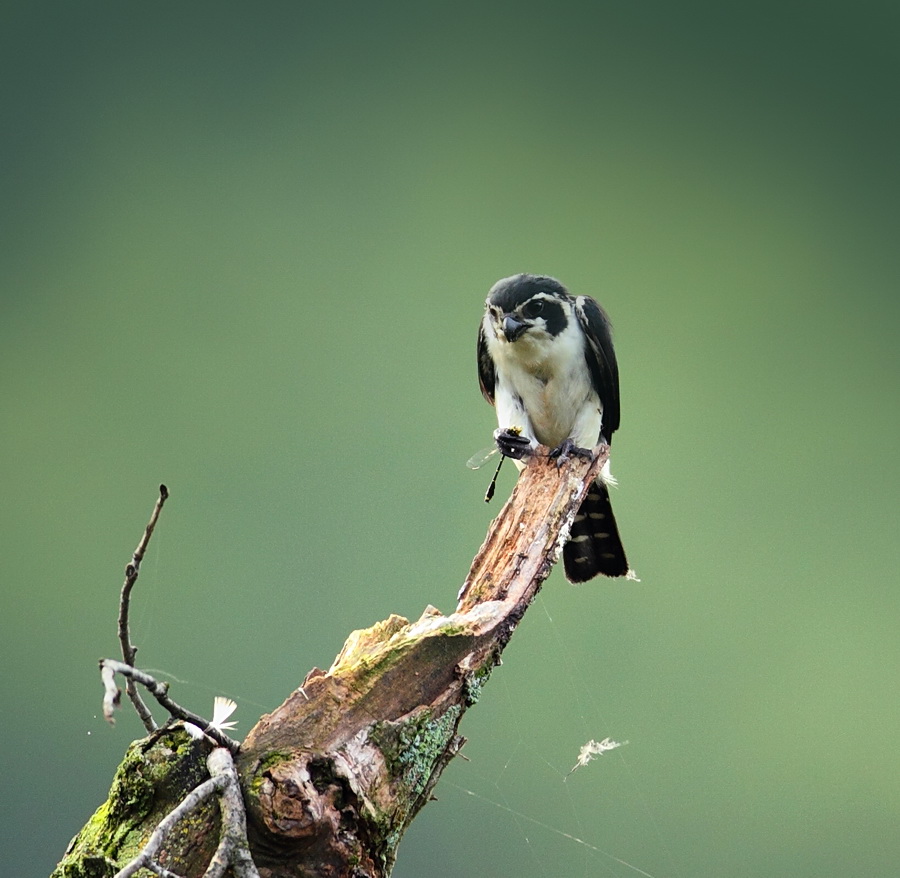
(244, 252)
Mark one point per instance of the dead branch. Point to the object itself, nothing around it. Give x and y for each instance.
(334, 776)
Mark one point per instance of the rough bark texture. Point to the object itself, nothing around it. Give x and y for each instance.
(155, 775)
(333, 777)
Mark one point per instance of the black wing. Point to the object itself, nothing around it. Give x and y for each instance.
(487, 377)
(601, 360)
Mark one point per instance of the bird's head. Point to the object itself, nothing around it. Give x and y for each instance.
(527, 306)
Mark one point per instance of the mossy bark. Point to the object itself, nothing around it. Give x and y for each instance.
(334, 776)
(155, 775)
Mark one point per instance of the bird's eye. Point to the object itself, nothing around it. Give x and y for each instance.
(533, 308)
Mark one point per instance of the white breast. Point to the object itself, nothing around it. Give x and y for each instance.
(544, 387)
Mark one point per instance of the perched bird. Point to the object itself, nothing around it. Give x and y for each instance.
(546, 362)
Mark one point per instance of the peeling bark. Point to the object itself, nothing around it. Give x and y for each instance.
(334, 776)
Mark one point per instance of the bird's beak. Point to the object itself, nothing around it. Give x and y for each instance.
(512, 327)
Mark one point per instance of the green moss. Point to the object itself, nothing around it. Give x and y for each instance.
(273, 759)
(154, 775)
(367, 669)
(371, 657)
(254, 782)
(451, 629)
(367, 641)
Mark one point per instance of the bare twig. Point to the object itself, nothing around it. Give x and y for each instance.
(160, 691)
(234, 849)
(146, 858)
(129, 650)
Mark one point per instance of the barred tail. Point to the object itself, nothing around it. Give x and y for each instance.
(594, 545)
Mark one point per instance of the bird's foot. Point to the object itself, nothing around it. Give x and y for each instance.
(512, 443)
(566, 450)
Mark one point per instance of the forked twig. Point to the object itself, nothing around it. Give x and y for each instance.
(233, 850)
(160, 691)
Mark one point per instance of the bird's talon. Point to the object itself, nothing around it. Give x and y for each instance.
(512, 443)
(566, 450)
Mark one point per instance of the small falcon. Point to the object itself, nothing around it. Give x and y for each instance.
(546, 362)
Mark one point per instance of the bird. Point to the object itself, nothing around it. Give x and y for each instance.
(546, 363)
